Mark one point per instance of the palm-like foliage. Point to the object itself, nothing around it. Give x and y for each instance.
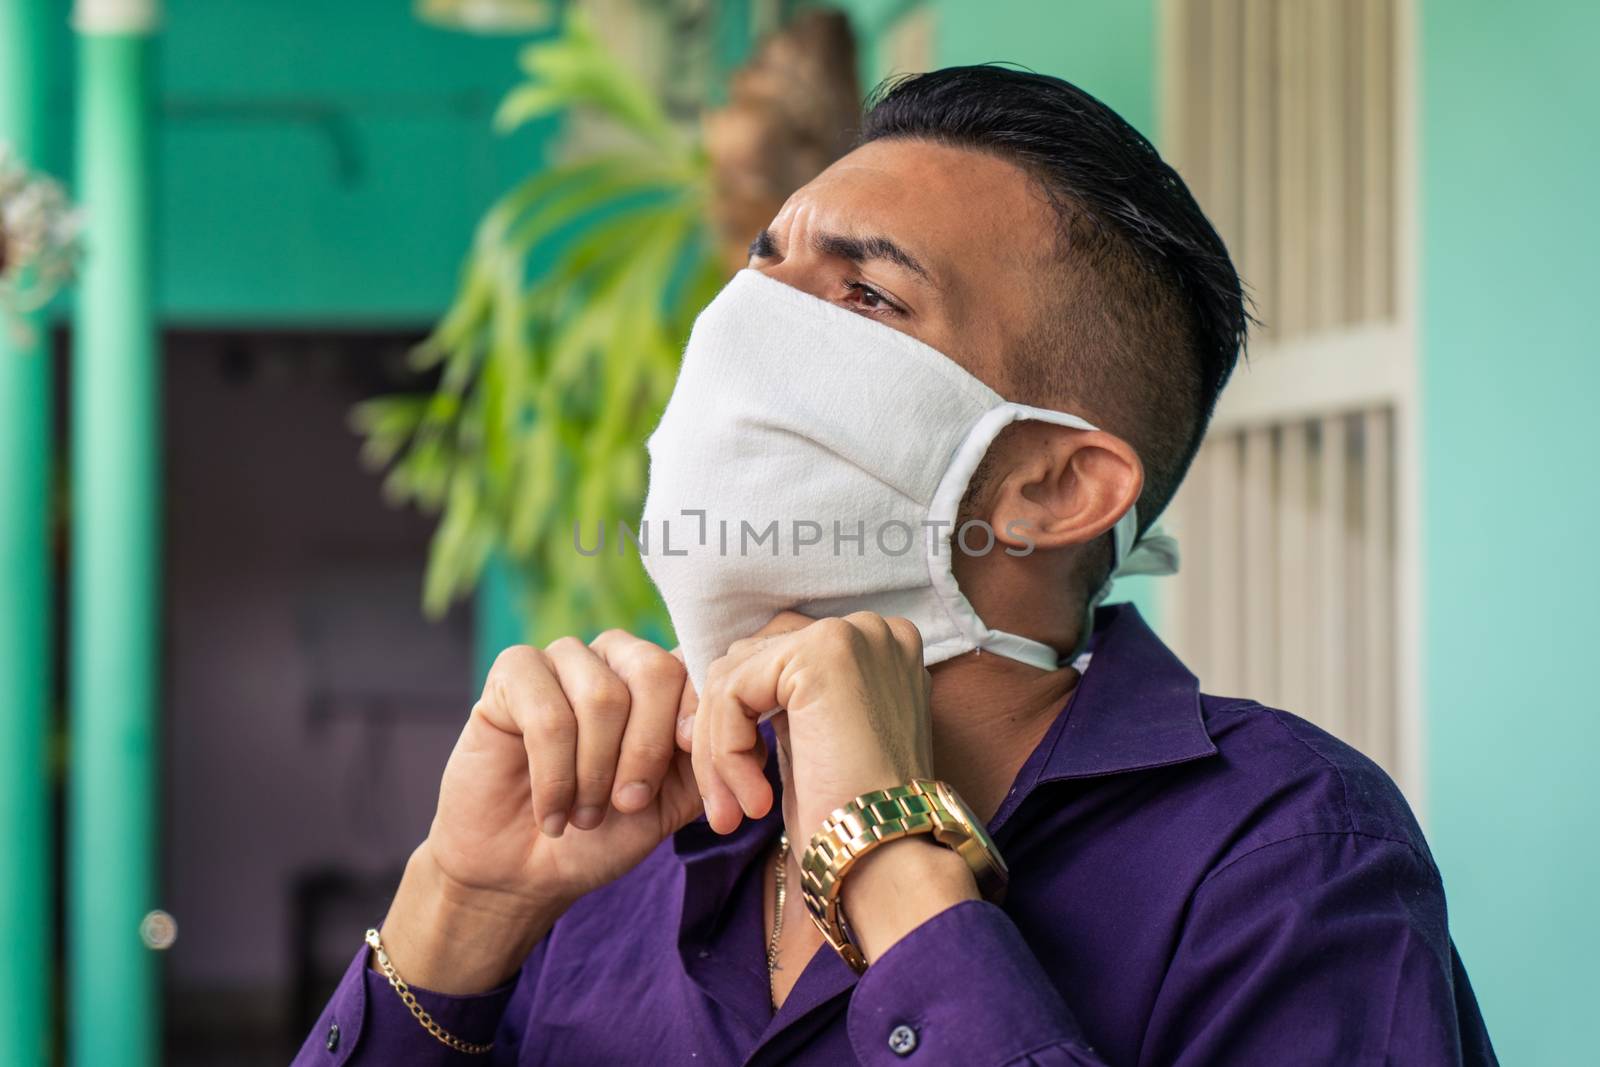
(557, 355)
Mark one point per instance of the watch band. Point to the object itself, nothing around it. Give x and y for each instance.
(876, 818)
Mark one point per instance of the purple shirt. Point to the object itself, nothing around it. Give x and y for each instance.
(1194, 880)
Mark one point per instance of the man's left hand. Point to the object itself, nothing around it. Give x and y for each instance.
(855, 719)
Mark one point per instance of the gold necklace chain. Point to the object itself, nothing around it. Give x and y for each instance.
(780, 881)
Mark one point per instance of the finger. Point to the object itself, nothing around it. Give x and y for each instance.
(688, 702)
(908, 640)
(680, 795)
(906, 636)
(721, 806)
(600, 703)
(523, 696)
(780, 733)
(655, 681)
(738, 752)
(785, 622)
(871, 625)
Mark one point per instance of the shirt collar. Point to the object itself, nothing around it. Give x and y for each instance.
(1137, 707)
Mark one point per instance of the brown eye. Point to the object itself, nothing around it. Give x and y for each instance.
(869, 299)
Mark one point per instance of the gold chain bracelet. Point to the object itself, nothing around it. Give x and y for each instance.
(410, 1000)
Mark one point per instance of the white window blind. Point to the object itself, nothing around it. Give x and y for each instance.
(1289, 121)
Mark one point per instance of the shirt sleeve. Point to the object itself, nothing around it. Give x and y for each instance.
(366, 1023)
(1323, 948)
(963, 988)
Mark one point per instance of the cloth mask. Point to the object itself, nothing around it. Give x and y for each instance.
(812, 459)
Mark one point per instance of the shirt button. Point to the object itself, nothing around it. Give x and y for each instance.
(333, 1037)
(902, 1040)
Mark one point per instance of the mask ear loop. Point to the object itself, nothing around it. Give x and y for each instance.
(1154, 554)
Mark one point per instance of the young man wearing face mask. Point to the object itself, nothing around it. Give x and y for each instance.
(1002, 307)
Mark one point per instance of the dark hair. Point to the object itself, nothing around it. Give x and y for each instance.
(1148, 317)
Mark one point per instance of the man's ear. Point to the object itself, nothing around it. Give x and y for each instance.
(1063, 487)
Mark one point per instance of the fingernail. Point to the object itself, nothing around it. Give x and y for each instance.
(633, 796)
(587, 817)
(712, 819)
(553, 825)
(686, 726)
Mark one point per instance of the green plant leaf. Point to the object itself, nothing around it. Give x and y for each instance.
(556, 356)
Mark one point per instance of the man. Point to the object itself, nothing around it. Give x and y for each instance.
(1192, 879)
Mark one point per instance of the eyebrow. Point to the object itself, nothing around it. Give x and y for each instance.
(854, 249)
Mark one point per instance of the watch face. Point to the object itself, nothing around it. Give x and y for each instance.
(958, 808)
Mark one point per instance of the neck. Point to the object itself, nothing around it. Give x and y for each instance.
(989, 714)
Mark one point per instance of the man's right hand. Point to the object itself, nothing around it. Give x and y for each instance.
(567, 774)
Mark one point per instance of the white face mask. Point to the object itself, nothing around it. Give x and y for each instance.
(811, 459)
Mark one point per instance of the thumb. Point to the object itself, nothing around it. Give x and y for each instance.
(681, 803)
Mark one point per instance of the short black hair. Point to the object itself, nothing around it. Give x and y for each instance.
(1144, 324)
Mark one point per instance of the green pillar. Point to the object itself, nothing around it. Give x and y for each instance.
(114, 795)
(25, 602)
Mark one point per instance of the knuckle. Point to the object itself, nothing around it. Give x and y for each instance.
(564, 646)
(613, 636)
(832, 630)
(553, 794)
(595, 779)
(649, 751)
(602, 696)
(549, 726)
(906, 633)
(655, 665)
(515, 659)
(836, 637)
(716, 676)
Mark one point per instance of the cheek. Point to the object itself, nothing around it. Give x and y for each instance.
(974, 341)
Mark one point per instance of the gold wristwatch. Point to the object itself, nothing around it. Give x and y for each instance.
(921, 806)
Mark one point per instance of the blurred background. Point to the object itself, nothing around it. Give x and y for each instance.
(320, 324)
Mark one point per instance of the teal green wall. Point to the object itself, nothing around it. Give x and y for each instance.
(324, 162)
(1106, 47)
(1510, 149)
